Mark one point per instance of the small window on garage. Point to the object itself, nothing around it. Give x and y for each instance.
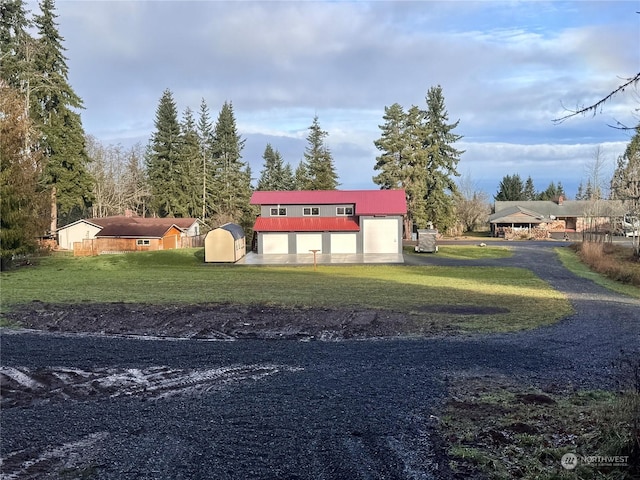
(278, 212)
(344, 211)
(143, 242)
(306, 211)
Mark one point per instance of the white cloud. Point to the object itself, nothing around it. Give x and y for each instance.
(507, 70)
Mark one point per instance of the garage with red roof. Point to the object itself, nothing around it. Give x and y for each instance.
(329, 221)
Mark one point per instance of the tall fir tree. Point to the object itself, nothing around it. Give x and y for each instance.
(16, 45)
(442, 161)
(191, 167)
(318, 160)
(402, 164)
(53, 107)
(163, 160)
(275, 175)
(529, 192)
(232, 177)
(510, 188)
(205, 136)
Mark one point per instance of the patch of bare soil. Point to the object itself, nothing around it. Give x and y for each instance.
(221, 321)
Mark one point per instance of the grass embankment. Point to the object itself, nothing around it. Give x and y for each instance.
(610, 266)
(180, 276)
(497, 427)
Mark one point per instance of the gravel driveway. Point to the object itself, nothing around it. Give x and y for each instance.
(123, 408)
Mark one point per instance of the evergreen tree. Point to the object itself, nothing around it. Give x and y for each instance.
(402, 162)
(510, 188)
(580, 193)
(301, 177)
(191, 167)
(529, 189)
(318, 160)
(442, 161)
(53, 105)
(205, 135)
(164, 159)
(232, 177)
(393, 162)
(16, 45)
(275, 175)
(21, 201)
(553, 192)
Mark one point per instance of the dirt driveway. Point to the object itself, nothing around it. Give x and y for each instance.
(111, 407)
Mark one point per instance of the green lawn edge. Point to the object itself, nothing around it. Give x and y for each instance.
(571, 262)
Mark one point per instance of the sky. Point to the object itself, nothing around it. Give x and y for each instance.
(507, 70)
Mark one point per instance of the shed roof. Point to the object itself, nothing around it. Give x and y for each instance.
(367, 202)
(234, 229)
(306, 224)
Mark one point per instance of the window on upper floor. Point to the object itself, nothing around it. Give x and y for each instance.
(344, 210)
(306, 211)
(279, 212)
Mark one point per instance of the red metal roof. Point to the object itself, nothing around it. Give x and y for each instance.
(306, 224)
(367, 202)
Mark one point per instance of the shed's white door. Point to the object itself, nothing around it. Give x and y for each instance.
(343, 243)
(308, 241)
(380, 235)
(276, 243)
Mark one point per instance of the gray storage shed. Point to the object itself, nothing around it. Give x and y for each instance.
(427, 241)
(225, 244)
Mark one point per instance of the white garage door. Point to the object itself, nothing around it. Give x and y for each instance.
(380, 235)
(277, 243)
(343, 243)
(308, 241)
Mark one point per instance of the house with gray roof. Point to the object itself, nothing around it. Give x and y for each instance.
(565, 216)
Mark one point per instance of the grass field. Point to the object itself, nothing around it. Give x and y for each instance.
(180, 276)
(467, 252)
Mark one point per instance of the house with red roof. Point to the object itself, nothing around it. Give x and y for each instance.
(329, 221)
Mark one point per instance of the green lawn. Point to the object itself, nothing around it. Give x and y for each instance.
(466, 252)
(180, 276)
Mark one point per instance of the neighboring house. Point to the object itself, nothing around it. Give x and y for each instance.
(565, 216)
(329, 221)
(77, 234)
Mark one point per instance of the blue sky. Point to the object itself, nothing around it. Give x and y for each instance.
(507, 69)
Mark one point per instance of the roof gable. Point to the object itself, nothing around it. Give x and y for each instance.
(367, 202)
